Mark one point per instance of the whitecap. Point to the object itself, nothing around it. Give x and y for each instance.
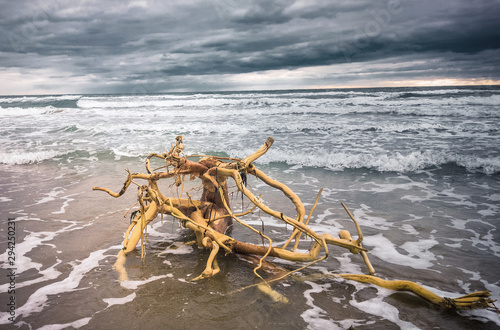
(383, 162)
(15, 112)
(30, 99)
(17, 157)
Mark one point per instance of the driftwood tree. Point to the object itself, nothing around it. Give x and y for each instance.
(211, 219)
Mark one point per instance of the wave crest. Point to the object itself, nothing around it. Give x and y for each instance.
(386, 162)
(17, 157)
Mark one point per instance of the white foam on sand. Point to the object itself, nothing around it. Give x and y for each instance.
(47, 274)
(75, 324)
(39, 299)
(350, 264)
(327, 214)
(50, 196)
(120, 301)
(369, 220)
(478, 240)
(419, 256)
(153, 229)
(409, 229)
(377, 306)
(483, 315)
(133, 285)
(30, 242)
(67, 199)
(177, 248)
(316, 317)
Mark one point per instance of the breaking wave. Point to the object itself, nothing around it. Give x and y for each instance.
(25, 157)
(403, 130)
(386, 162)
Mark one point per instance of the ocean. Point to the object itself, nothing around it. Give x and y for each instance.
(418, 167)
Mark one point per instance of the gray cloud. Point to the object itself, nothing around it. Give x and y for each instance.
(120, 46)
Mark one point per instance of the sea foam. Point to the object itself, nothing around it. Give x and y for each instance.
(18, 157)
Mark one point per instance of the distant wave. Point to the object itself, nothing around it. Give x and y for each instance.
(443, 99)
(404, 103)
(28, 99)
(17, 111)
(57, 101)
(374, 127)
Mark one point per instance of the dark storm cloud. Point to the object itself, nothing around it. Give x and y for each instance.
(119, 44)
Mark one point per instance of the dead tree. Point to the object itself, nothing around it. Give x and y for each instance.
(211, 219)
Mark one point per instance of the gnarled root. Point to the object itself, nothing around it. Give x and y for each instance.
(119, 266)
(212, 265)
(274, 295)
(474, 300)
(275, 272)
(211, 218)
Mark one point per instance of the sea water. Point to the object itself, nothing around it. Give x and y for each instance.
(418, 167)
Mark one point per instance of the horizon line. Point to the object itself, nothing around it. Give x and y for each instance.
(262, 90)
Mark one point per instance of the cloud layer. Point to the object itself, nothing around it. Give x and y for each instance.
(60, 46)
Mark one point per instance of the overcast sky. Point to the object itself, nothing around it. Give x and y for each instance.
(138, 46)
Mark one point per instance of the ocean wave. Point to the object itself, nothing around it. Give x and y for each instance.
(430, 102)
(467, 105)
(186, 103)
(201, 109)
(335, 161)
(383, 162)
(38, 99)
(19, 157)
(440, 92)
(58, 101)
(17, 111)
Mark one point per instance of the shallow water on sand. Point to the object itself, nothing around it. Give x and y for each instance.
(419, 168)
(416, 226)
